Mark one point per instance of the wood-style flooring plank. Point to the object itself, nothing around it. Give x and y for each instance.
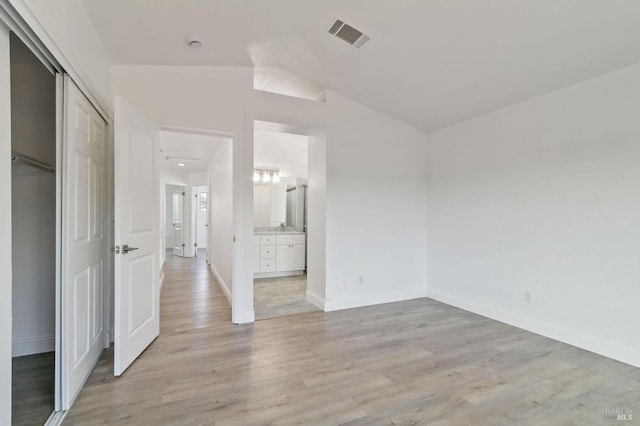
(415, 362)
(33, 386)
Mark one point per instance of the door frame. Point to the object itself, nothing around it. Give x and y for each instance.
(5, 273)
(196, 190)
(5, 228)
(318, 267)
(239, 314)
(164, 188)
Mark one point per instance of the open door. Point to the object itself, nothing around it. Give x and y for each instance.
(137, 269)
(178, 223)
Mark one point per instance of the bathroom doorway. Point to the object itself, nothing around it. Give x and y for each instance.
(280, 204)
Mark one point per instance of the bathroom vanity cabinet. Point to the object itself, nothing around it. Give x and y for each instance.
(278, 254)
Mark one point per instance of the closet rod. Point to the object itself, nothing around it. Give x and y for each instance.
(32, 162)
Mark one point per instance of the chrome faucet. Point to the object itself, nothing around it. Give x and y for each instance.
(282, 226)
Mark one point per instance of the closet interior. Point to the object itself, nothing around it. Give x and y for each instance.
(33, 201)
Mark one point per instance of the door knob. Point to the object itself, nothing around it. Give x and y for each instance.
(126, 249)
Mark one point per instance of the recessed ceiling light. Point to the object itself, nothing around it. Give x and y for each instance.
(180, 164)
(194, 42)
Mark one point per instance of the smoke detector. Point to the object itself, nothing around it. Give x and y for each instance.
(193, 42)
(347, 33)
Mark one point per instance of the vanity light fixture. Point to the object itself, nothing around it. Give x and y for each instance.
(266, 175)
(180, 164)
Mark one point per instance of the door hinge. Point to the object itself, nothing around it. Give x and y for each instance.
(195, 244)
(234, 238)
(182, 244)
(183, 194)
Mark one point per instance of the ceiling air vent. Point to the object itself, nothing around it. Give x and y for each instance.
(349, 34)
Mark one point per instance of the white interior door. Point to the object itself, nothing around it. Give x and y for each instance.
(178, 225)
(201, 209)
(137, 269)
(83, 238)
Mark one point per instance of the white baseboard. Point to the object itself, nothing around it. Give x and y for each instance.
(36, 345)
(360, 300)
(108, 338)
(221, 283)
(581, 340)
(315, 299)
(259, 275)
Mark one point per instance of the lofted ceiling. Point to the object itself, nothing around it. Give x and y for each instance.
(430, 63)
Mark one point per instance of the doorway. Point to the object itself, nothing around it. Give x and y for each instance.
(200, 211)
(187, 159)
(34, 191)
(280, 207)
(174, 220)
(57, 230)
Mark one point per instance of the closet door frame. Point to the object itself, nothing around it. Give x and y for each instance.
(59, 160)
(6, 224)
(5, 228)
(8, 25)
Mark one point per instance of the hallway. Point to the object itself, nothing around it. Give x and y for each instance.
(409, 362)
(159, 388)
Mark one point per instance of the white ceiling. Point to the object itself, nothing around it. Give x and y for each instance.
(289, 153)
(192, 150)
(430, 63)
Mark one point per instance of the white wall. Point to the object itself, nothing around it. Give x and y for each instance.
(33, 99)
(372, 160)
(376, 199)
(5, 229)
(220, 246)
(316, 216)
(219, 99)
(543, 197)
(198, 178)
(272, 150)
(66, 29)
(33, 252)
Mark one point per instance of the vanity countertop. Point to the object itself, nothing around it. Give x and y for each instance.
(276, 232)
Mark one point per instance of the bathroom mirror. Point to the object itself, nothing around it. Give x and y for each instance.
(276, 203)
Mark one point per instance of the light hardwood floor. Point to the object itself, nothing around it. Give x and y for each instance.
(277, 297)
(415, 362)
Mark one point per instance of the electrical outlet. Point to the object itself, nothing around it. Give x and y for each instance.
(360, 279)
(528, 298)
